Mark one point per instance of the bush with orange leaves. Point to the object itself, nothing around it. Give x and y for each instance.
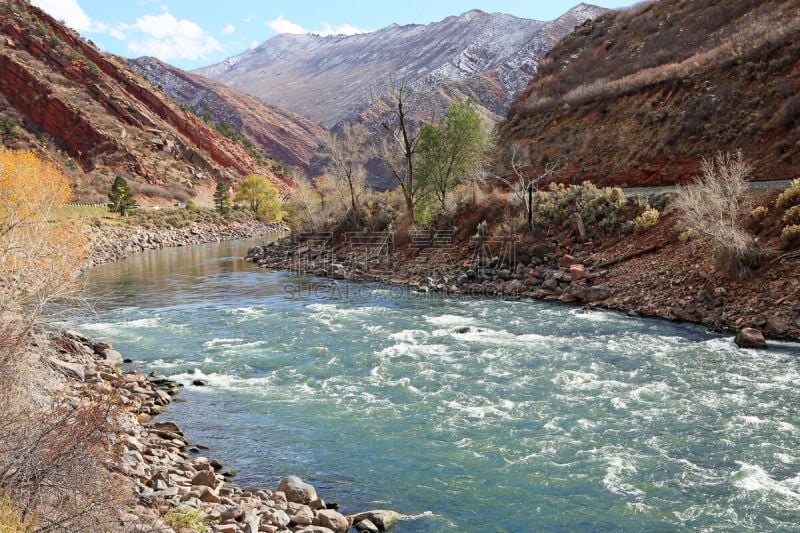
(40, 257)
(53, 444)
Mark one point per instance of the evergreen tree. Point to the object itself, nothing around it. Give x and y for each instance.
(120, 199)
(222, 200)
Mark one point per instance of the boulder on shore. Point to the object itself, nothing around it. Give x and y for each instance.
(381, 518)
(750, 338)
(297, 491)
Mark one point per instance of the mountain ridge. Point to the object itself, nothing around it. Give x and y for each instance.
(288, 138)
(329, 79)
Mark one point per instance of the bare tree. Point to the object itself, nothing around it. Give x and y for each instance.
(401, 106)
(713, 205)
(347, 156)
(525, 179)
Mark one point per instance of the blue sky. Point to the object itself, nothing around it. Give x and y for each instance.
(195, 33)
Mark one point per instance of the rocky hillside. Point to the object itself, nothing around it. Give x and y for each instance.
(332, 79)
(639, 97)
(288, 138)
(97, 118)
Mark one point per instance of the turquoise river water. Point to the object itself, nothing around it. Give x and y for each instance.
(465, 415)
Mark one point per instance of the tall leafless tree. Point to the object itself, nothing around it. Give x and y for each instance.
(347, 153)
(401, 107)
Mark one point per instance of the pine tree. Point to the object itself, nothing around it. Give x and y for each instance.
(120, 199)
(222, 200)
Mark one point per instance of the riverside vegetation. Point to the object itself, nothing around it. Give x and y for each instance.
(78, 449)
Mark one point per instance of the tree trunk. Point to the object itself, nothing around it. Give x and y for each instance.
(530, 209)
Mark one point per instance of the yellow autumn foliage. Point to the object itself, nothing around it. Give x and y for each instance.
(40, 257)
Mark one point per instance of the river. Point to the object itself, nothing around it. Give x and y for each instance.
(463, 414)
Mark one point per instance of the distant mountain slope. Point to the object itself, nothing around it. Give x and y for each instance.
(331, 79)
(289, 138)
(639, 97)
(97, 118)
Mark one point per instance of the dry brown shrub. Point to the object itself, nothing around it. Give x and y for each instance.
(713, 207)
(53, 456)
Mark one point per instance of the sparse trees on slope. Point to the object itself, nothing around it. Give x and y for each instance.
(222, 200)
(713, 205)
(347, 156)
(120, 199)
(450, 150)
(261, 197)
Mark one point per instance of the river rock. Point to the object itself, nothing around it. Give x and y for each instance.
(333, 520)
(750, 338)
(251, 521)
(205, 478)
(366, 526)
(112, 357)
(279, 518)
(598, 293)
(74, 370)
(208, 496)
(297, 491)
(303, 517)
(381, 518)
(577, 272)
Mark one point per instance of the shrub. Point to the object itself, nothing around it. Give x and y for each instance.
(790, 113)
(188, 517)
(791, 233)
(712, 207)
(646, 220)
(40, 259)
(93, 68)
(11, 520)
(791, 196)
(793, 215)
(600, 208)
(759, 212)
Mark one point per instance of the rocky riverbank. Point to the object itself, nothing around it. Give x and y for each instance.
(111, 243)
(164, 471)
(653, 275)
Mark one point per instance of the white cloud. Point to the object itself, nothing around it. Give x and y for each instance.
(343, 29)
(282, 25)
(67, 10)
(167, 38)
(228, 29)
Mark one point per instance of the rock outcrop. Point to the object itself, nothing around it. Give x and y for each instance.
(96, 118)
(288, 138)
(639, 97)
